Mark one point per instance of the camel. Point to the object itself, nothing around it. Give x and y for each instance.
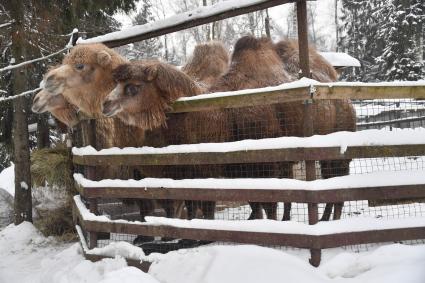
(329, 115)
(208, 63)
(83, 80)
(146, 90)
(255, 64)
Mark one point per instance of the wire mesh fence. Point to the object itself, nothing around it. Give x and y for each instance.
(268, 122)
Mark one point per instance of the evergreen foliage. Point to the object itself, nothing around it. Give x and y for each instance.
(386, 36)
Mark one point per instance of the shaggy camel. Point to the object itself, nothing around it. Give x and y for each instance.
(84, 79)
(208, 63)
(255, 64)
(329, 115)
(146, 89)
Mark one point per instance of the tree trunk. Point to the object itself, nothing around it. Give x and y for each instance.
(23, 201)
(267, 24)
(43, 137)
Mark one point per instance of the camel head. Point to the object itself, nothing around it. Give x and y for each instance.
(57, 105)
(254, 64)
(321, 69)
(85, 77)
(145, 91)
(208, 62)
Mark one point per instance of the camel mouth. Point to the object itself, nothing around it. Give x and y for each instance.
(110, 109)
(38, 108)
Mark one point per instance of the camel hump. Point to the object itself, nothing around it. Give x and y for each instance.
(209, 62)
(251, 42)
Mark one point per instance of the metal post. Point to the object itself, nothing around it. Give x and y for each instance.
(310, 165)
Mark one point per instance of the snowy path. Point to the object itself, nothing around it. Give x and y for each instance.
(27, 256)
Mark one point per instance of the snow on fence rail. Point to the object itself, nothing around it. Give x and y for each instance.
(336, 146)
(270, 232)
(300, 90)
(199, 16)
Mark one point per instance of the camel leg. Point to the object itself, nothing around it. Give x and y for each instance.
(287, 211)
(338, 210)
(329, 169)
(145, 206)
(271, 209)
(327, 212)
(208, 209)
(191, 209)
(256, 211)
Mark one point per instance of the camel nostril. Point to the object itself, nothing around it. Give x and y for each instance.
(106, 105)
(35, 100)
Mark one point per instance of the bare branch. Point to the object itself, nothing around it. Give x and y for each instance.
(6, 24)
(11, 67)
(3, 99)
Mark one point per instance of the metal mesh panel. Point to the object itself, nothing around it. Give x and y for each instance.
(275, 121)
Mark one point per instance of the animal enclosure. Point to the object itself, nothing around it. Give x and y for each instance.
(382, 194)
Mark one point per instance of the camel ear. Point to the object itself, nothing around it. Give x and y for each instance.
(150, 73)
(104, 58)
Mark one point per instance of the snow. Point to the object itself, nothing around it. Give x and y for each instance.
(338, 139)
(339, 59)
(200, 12)
(357, 224)
(29, 257)
(245, 263)
(7, 179)
(374, 179)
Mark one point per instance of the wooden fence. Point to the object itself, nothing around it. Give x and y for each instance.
(316, 236)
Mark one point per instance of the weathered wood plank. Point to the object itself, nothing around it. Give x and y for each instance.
(259, 195)
(189, 23)
(299, 94)
(242, 100)
(252, 156)
(369, 92)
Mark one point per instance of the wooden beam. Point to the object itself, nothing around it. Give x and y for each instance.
(190, 22)
(243, 100)
(303, 38)
(258, 195)
(251, 156)
(369, 92)
(298, 94)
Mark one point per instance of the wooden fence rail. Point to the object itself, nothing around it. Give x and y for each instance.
(284, 94)
(94, 193)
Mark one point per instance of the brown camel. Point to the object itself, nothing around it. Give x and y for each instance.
(144, 93)
(84, 79)
(255, 64)
(146, 89)
(329, 115)
(208, 63)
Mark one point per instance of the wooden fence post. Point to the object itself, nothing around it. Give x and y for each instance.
(310, 165)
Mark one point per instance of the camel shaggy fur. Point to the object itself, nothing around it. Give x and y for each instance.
(145, 91)
(208, 63)
(84, 79)
(329, 115)
(255, 64)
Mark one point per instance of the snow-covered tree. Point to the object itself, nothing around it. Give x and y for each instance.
(399, 59)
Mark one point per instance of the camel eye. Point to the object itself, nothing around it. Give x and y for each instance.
(79, 66)
(131, 90)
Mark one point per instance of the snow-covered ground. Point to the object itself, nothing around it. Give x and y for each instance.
(27, 256)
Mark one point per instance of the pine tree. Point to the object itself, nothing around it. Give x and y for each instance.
(359, 36)
(150, 48)
(399, 60)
